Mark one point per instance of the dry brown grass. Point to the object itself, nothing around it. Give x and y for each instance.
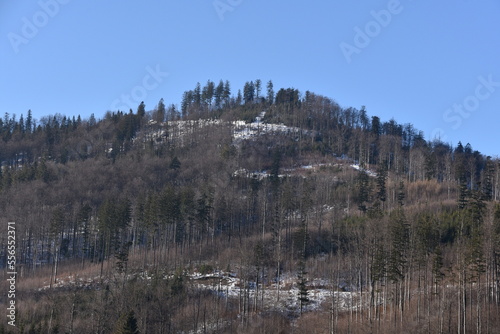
(67, 272)
(425, 192)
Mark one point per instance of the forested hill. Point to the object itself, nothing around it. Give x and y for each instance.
(41, 150)
(276, 184)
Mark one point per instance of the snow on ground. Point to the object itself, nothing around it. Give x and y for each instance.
(243, 131)
(285, 299)
(260, 175)
(369, 172)
(179, 130)
(321, 292)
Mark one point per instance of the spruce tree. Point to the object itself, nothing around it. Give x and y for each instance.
(399, 232)
(227, 93)
(21, 125)
(160, 111)
(141, 109)
(207, 93)
(29, 122)
(187, 99)
(489, 171)
(239, 98)
(363, 193)
(401, 193)
(258, 87)
(270, 92)
(197, 94)
(219, 94)
(127, 324)
(249, 92)
(381, 179)
(303, 294)
(175, 163)
(463, 193)
(42, 172)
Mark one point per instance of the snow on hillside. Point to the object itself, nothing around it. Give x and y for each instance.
(369, 172)
(178, 130)
(243, 131)
(230, 286)
(179, 133)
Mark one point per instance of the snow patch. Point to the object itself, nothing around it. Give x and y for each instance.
(361, 169)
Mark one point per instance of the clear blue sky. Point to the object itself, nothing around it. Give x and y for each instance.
(435, 64)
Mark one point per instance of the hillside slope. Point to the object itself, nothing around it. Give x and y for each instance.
(283, 215)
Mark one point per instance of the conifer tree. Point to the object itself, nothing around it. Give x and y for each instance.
(489, 170)
(160, 111)
(227, 93)
(430, 165)
(208, 93)
(270, 92)
(376, 127)
(21, 124)
(303, 294)
(175, 163)
(42, 172)
(197, 95)
(399, 232)
(249, 92)
(83, 222)
(219, 94)
(381, 179)
(379, 264)
(29, 122)
(363, 190)
(92, 120)
(258, 87)
(437, 265)
(239, 98)
(187, 99)
(463, 193)
(127, 324)
(141, 109)
(401, 193)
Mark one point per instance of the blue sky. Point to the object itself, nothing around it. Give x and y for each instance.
(433, 64)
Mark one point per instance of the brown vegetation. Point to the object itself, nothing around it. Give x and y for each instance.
(114, 217)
